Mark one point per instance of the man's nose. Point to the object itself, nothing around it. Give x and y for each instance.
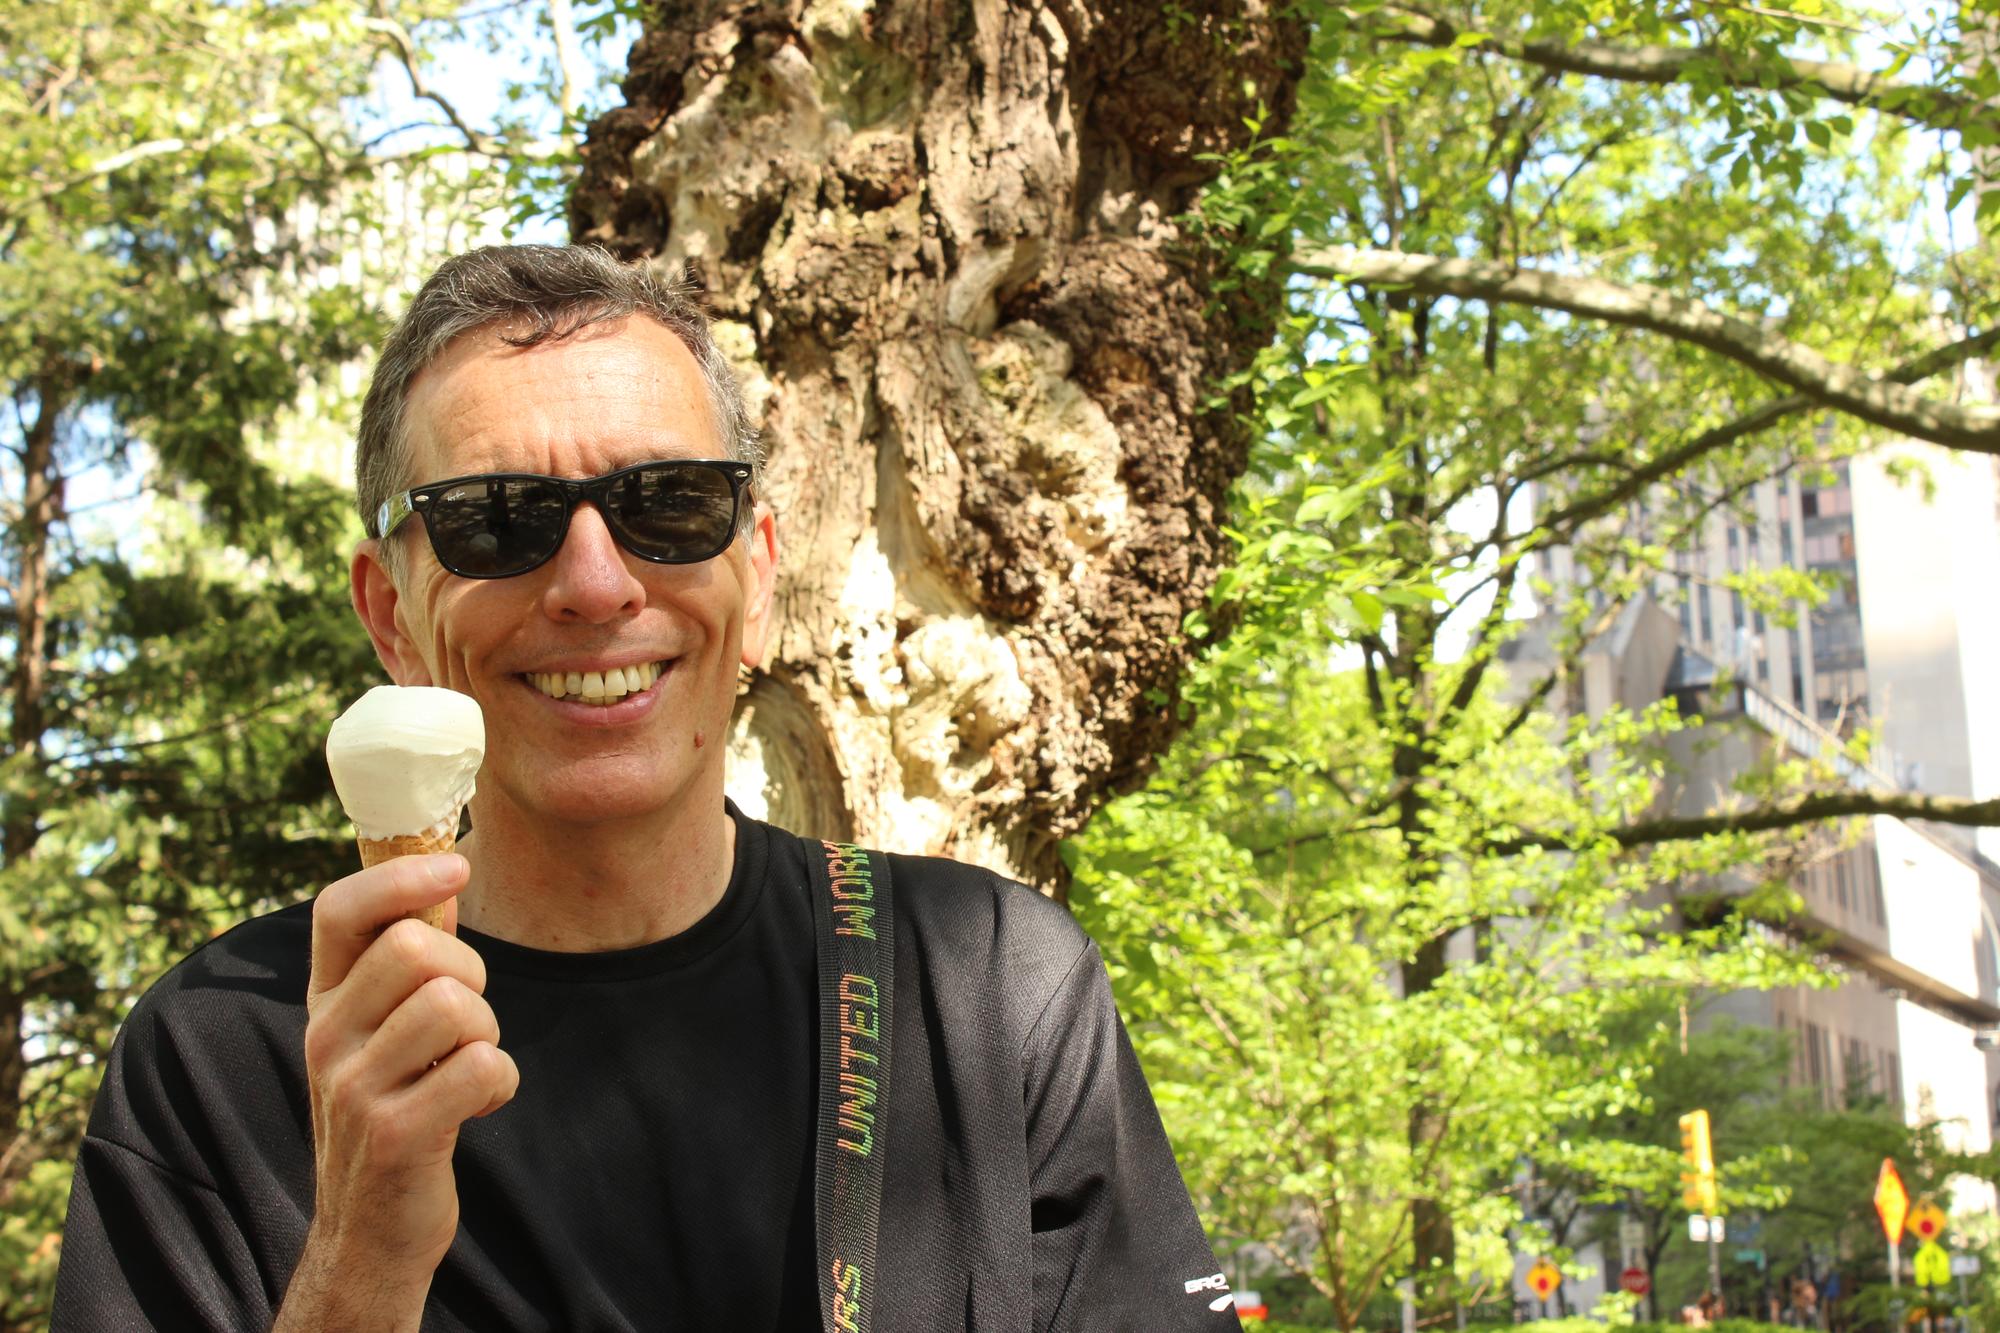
(591, 582)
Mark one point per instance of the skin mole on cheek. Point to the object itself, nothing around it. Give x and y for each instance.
(699, 740)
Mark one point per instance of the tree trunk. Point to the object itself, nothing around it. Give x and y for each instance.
(20, 821)
(941, 241)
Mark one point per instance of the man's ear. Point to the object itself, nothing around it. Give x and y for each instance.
(763, 581)
(376, 597)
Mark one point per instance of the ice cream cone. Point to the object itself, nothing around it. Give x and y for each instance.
(405, 757)
(374, 851)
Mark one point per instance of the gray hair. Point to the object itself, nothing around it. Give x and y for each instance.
(555, 291)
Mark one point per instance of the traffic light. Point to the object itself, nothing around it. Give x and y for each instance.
(1698, 1173)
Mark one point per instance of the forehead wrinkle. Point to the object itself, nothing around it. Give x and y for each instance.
(590, 404)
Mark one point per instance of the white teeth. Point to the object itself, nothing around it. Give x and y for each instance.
(601, 687)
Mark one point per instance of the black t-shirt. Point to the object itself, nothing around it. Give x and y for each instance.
(655, 1169)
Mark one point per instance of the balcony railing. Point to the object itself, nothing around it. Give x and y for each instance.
(1808, 739)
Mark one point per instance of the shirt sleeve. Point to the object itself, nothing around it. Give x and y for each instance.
(147, 1248)
(1116, 1243)
(160, 1234)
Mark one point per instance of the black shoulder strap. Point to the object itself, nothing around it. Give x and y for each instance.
(851, 910)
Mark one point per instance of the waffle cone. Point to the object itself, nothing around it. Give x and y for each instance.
(374, 851)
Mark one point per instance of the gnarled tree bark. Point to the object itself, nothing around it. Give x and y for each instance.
(940, 238)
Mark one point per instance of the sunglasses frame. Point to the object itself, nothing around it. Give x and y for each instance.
(420, 499)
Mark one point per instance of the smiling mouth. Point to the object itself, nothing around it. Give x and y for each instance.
(597, 687)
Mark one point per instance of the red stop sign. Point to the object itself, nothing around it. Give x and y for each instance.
(1635, 1281)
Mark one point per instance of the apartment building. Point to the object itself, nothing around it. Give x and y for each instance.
(1906, 916)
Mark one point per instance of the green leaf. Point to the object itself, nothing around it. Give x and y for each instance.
(1330, 506)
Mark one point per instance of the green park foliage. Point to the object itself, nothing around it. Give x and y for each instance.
(193, 262)
(1392, 922)
(175, 573)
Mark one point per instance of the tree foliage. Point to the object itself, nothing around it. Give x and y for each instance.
(182, 255)
(1569, 280)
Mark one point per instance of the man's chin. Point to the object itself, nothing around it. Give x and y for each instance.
(612, 792)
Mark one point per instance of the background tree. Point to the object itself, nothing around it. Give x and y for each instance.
(1628, 1164)
(946, 245)
(1541, 309)
(1257, 907)
(186, 198)
(158, 778)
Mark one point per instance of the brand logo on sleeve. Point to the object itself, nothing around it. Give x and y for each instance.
(1213, 1282)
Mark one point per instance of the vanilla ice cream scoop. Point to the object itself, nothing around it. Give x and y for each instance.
(404, 758)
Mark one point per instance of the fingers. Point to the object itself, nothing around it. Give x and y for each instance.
(367, 1133)
(350, 913)
(424, 1030)
(475, 1080)
(404, 959)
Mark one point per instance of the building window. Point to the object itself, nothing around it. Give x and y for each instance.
(1857, 1078)
(1707, 618)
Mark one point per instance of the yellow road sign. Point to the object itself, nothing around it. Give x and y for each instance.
(1892, 1201)
(1544, 1278)
(1933, 1265)
(1927, 1220)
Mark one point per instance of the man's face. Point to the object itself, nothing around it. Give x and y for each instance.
(612, 395)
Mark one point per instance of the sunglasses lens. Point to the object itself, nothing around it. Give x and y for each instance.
(672, 512)
(490, 528)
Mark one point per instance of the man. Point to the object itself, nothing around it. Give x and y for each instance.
(590, 1106)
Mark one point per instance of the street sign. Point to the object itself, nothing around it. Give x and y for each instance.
(1702, 1230)
(1892, 1201)
(1933, 1265)
(1965, 1265)
(1927, 1220)
(1635, 1281)
(1543, 1279)
(1631, 1242)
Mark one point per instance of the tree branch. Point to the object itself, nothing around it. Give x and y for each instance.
(1863, 394)
(406, 51)
(1566, 519)
(1785, 814)
(569, 66)
(1848, 84)
(152, 148)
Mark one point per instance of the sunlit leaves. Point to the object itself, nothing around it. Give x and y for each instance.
(1375, 723)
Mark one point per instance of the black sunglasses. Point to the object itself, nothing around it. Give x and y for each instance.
(499, 524)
